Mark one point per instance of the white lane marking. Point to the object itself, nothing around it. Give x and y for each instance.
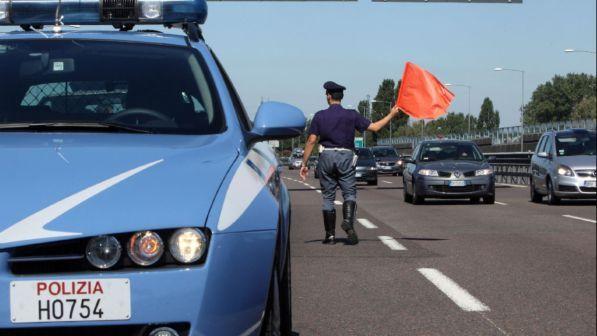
(392, 243)
(32, 227)
(500, 203)
(318, 191)
(582, 219)
(388, 182)
(366, 223)
(459, 295)
(338, 203)
(312, 187)
(512, 185)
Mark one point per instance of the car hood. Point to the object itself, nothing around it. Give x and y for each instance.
(578, 162)
(63, 186)
(454, 165)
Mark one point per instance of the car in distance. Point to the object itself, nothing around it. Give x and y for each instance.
(365, 170)
(138, 198)
(563, 166)
(295, 163)
(402, 163)
(386, 159)
(448, 169)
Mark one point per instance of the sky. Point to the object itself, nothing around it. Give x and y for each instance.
(285, 51)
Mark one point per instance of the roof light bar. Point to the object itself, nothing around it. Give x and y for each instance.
(95, 12)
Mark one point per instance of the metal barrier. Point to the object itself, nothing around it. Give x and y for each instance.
(511, 168)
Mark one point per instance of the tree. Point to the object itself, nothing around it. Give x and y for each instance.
(586, 109)
(558, 98)
(489, 119)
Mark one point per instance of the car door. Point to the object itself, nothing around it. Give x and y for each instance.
(409, 168)
(543, 166)
(536, 161)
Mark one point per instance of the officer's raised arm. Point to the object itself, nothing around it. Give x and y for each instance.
(378, 125)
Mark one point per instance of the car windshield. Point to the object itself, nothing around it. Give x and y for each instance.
(450, 151)
(364, 154)
(154, 88)
(384, 152)
(575, 144)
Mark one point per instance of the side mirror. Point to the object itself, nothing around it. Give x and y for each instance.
(544, 155)
(277, 121)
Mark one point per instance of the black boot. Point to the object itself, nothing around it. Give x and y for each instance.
(349, 210)
(329, 222)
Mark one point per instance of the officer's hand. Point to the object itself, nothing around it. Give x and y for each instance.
(395, 111)
(304, 172)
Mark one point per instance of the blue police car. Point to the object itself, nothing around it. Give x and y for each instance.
(136, 195)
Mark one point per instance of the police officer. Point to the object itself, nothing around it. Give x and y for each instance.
(335, 127)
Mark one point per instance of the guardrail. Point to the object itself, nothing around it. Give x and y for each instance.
(511, 168)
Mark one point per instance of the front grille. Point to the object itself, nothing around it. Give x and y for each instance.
(469, 173)
(586, 173)
(118, 10)
(588, 190)
(444, 174)
(566, 188)
(390, 164)
(130, 330)
(448, 189)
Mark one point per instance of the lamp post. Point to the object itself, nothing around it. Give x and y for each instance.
(390, 104)
(579, 51)
(521, 105)
(469, 101)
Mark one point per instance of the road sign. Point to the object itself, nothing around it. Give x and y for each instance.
(358, 142)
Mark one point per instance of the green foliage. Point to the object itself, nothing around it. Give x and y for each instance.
(489, 119)
(586, 109)
(562, 98)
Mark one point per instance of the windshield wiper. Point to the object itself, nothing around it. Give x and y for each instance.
(53, 126)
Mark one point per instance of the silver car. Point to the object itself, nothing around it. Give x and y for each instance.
(563, 166)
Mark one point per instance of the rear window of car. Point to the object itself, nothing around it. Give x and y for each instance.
(158, 88)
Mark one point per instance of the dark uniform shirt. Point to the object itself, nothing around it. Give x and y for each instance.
(335, 126)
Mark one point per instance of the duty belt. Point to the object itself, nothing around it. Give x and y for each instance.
(337, 149)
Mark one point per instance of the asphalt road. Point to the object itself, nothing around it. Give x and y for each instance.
(445, 267)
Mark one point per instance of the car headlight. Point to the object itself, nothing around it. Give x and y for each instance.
(145, 248)
(428, 172)
(188, 245)
(565, 171)
(372, 168)
(103, 252)
(484, 172)
(399, 163)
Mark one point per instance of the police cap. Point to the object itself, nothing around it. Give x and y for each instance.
(332, 87)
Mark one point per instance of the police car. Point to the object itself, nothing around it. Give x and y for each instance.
(136, 195)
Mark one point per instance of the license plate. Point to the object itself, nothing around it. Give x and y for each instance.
(457, 183)
(70, 300)
(359, 175)
(590, 184)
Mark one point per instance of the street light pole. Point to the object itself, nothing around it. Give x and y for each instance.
(368, 108)
(468, 87)
(580, 51)
(521, 105)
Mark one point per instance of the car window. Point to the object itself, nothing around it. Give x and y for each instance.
(548, 147)
(450, 151)
(384, 152)
(162, 89)
(540, 145)
(575, 144)
(364, 153)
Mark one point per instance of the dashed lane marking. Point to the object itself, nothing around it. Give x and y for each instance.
(366, 223)
(388, 182)
(392, 243)
(318, 191)
(581, 219)
(500, 203)
(512, 185)
(337, 202)
(457, 294)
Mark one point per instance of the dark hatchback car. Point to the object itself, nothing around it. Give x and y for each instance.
(366, 170)
(448, 169)
(387, 160)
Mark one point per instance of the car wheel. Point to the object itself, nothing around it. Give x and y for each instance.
(552, 199)
(278, 315)
(475, 200)
(535, 196)
(416, 198)
(395, 174)
(489, 199)
(408, 198)
(372, 183)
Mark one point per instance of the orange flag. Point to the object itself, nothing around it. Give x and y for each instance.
(422, 96)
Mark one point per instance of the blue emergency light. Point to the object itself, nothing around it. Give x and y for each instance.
(95, 12)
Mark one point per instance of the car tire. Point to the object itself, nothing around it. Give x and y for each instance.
(489, 199)
(416, 198)
(395, 174)
(278, 314)
(552, 199)
(535, 196)
(372, 183)
(475, 200)
(408, 198)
